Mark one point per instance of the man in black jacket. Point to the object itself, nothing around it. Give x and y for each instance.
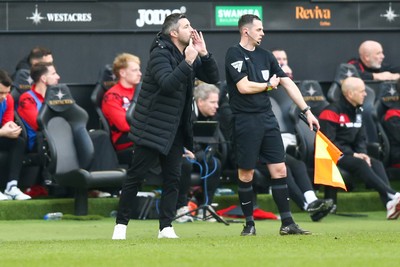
(341, 122)
(162, 130)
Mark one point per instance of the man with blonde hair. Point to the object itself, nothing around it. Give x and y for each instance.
(116, 101)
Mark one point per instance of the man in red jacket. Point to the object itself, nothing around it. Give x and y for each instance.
(116, 101)
(43, 74)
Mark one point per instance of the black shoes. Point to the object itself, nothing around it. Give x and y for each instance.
(293, 229)
(320, 208)
(248, 230)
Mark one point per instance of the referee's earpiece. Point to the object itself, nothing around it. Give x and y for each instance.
(252, 38)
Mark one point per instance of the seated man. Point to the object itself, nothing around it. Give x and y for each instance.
(10, 141)
(392, 125)
(282, 59)
(36, 55)
(342, 123)
(370, 64)
(301, 189)
(116, 101)
(205, 105)
(43, 74)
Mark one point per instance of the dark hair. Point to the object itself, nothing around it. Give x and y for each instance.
(171, 23)
(39, 69)
(5, 78)
(38, 53)
(247, 19)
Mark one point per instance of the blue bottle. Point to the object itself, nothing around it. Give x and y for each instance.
(53, 216)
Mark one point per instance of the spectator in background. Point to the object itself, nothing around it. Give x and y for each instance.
(116, 101)
(10, 142)
(205, 106)
(370, 63)
(391, 123)
(36, 55)
(342, 123)
(299, 183)
(43, 74)
(281, 57)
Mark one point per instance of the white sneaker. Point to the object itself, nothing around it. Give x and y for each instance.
(184, 218)
(3, 197)
(16, 194)
(99, 194)
(393, 208)
(119, 232)
(167, 232)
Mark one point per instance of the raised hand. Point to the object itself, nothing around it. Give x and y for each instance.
(198, 43)
(190, 53)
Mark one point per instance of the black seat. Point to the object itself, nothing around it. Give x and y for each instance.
(71, 150)
(21, 84)
(343, 71)
(314, 97)
(388, 98)
(105, 82)
(284, 102)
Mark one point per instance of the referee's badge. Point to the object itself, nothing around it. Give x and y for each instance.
(265, 74)
(237, 65)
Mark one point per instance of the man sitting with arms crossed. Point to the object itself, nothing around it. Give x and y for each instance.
(342, 123)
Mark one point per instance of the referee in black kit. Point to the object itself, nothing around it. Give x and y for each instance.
(250, 72)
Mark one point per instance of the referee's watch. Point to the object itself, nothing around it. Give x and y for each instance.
(269, 87)
(306, 109)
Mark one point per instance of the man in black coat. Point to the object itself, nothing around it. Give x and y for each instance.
(161, 129)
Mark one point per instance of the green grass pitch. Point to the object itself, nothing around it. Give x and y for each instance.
(336, 241)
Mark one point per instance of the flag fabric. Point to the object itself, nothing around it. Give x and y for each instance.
(326, 156)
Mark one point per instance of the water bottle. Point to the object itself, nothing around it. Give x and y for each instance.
(53, 216)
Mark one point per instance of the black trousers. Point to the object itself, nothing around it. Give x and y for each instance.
(16, 150)
(374, 176)
(298, 180)
(143, 160)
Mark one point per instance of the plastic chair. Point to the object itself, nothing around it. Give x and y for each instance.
(71, 150)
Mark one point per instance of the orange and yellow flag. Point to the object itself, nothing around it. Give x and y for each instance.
(326, 157)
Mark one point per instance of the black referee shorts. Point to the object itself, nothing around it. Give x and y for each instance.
(257, 138)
